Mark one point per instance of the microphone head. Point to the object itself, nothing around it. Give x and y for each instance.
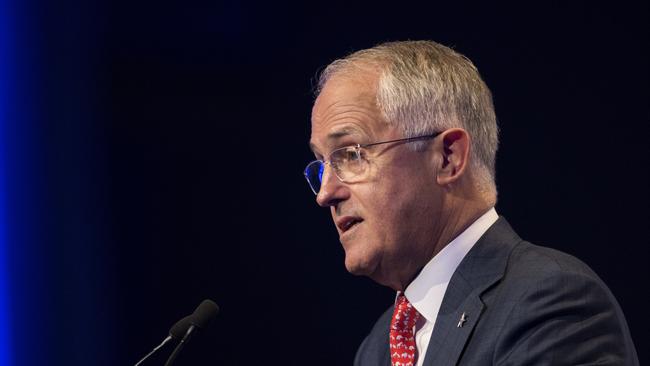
(204, 314)
(179, 329)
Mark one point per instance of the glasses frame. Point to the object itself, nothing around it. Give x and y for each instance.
(326, 161)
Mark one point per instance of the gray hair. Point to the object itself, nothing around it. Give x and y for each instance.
(424, 87)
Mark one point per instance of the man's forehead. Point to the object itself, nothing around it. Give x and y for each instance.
(346, 106)
(335, 134)
(348, 85)
(342, 94)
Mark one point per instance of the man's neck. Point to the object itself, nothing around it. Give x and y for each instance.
(456, 220)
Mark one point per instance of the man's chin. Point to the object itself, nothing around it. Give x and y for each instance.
(359, 267)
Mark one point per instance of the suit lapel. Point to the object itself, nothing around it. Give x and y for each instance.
(387, 359)
(483, 266)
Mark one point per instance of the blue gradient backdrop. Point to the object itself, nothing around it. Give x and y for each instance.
(5, 356)
(54, 300)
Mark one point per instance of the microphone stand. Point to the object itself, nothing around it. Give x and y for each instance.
(180, 345)
(169, 338)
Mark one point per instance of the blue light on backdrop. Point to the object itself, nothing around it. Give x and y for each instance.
(21, 265)
(5, 86)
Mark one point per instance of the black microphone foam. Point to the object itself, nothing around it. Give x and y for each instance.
(179, 329)
(204, 314)
(182, 330)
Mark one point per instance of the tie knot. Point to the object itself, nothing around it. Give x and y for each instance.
(402, 336)
(405, 315)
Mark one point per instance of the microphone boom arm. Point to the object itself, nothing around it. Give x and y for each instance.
(169, 338)
(180, 345)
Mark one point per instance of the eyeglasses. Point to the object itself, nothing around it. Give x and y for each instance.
(350, 163)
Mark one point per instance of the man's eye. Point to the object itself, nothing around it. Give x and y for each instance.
(351, 154)
(346, 156)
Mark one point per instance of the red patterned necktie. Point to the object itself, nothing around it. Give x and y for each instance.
(402, 337)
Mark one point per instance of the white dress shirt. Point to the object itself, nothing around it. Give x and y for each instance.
(426, 291)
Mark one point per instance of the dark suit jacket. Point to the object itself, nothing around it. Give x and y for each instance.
(525, 305)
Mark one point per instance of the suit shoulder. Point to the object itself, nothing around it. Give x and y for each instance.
(527, 259)
(536, 274)
(549, 303)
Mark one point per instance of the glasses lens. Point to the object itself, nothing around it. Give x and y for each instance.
(348, 162)
(314, 175)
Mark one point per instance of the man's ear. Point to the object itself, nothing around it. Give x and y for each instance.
(455, 155)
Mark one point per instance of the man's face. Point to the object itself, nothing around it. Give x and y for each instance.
(386, 222)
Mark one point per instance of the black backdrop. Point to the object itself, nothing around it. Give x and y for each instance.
(173, 137)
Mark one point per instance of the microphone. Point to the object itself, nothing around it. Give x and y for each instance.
(182, 329)
(201, 318)
(178, 330)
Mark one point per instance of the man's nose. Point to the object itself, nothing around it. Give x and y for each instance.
(332, 190)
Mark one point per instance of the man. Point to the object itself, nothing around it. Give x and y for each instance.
(405, 136)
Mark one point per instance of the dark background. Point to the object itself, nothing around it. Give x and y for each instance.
(159, 150)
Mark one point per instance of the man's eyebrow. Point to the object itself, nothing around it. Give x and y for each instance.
(340, 133)
(335, 135)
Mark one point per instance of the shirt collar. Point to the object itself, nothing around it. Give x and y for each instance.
(426, 291)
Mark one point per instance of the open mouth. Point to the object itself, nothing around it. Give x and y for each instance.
(348, 222)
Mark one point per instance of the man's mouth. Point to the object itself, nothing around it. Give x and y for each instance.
(346, 223)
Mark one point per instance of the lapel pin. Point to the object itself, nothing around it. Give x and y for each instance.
(463, 319)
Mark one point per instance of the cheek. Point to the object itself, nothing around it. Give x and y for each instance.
(396, 197)
(399, 205)
(383, 208)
